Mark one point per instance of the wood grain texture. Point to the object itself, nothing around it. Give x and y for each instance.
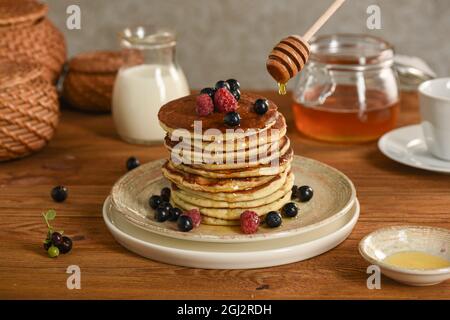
(88, 157)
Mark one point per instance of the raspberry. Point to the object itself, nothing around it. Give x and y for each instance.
(204, 105)
(224, 101)
(195, 215)
(249, 222)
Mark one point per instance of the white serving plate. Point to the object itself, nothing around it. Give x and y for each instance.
(216, 255)
(384, 242)
(334, 195)
(407, 145)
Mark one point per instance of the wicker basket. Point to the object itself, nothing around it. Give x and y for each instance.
(29, 109)
(25, 34)
(89, 82)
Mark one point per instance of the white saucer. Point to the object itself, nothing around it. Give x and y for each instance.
(216, 255)
(407, 146)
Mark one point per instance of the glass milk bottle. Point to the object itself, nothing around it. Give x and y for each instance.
(141, 89)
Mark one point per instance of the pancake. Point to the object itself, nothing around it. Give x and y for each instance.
(227, 159)
(210, 203)
(199, 183)
(180, 114)
(232, 213)
(286, 152)
(260, 138)
(235, 169)
(245, 195)
(260, 170)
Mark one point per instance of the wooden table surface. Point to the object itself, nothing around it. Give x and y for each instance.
(87, 156)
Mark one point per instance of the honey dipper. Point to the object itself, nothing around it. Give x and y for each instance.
(290, 55)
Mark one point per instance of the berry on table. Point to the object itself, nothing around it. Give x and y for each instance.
(53, 252)
(66, 245)
(273, 219)
(165, 194)
(155, 201)
(305, 193)
(290, 209)
(174, 214)
(249, 222)
(233, 84)
(185, 223)
(132, 163)
(204, 105)
(224, 101)
(209, 91)
(195, 215)
(59, 193)
(55, 243)
(222, 84)
(232, 119)
(261, 106)
(56, 238)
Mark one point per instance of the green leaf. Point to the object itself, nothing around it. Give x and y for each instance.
(50, 215)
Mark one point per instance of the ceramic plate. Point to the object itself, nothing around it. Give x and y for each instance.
(215, 255)
(407, 146)
(334, 195)
(384, 242)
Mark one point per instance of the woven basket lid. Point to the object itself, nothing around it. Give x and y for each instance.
(104, 61)
(20, 11)
(13, 73)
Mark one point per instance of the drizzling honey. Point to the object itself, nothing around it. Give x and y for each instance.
(281, 88)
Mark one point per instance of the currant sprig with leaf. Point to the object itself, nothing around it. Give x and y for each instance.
(55, 242)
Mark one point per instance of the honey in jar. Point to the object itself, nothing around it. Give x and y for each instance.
(348, 90)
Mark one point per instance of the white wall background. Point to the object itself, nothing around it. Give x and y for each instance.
(231, 38)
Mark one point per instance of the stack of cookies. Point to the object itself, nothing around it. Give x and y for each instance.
(225, 161)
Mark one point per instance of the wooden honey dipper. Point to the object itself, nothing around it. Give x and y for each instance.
(290, 55)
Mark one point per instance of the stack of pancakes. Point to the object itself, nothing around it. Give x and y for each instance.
(224, 173)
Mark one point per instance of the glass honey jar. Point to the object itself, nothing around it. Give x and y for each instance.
(348, 91)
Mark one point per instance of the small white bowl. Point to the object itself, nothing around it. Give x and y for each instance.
(384, 242)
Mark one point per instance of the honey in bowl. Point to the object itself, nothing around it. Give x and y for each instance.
(416, 260)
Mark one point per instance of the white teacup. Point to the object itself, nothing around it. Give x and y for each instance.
(434, 98)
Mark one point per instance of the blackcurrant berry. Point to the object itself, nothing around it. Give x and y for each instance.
(222, 84)
(132, 163)
(261, 106)
(155, 201)
(290, 209)
(305, 193)
(165, 194)
(174, 214)
(273, 219)
(59, 193)
(232, 119)
(66, 245)
(234, 84)
(185, 223)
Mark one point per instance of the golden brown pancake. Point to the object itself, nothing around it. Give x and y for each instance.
(181, 114)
